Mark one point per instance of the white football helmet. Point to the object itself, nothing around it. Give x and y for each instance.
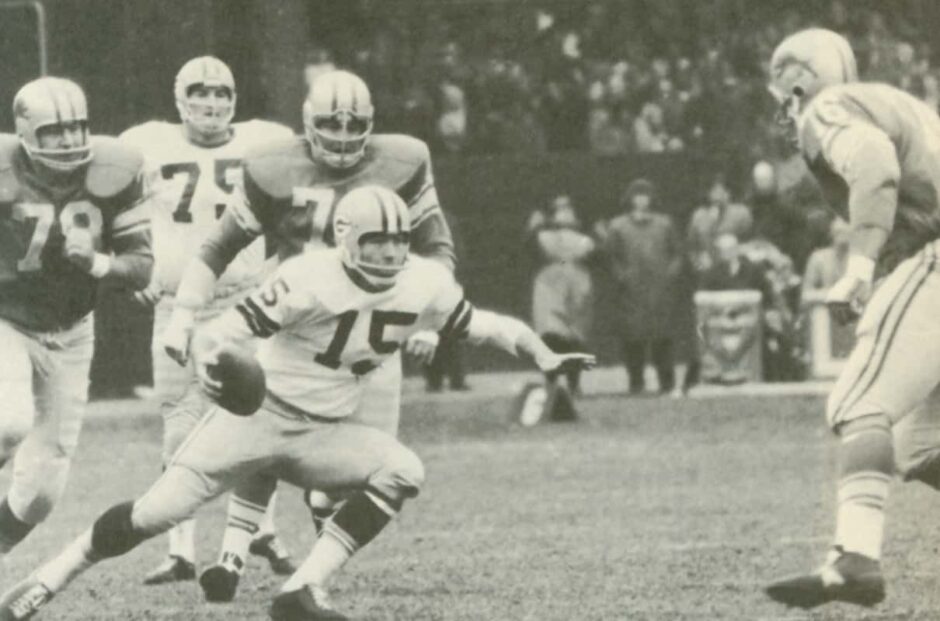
(365, 212)
(338, 116)
(805, 63)
(48, 102)
(206, 117)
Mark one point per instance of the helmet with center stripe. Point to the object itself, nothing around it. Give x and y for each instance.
(211, 113)
(54, 105)
(373, 214)
(338, 116)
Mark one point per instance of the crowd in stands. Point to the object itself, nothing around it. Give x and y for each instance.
(610, 76)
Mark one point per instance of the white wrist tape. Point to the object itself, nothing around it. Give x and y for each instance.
(100, 265)
(860, 267)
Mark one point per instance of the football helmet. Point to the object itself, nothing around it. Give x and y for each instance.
(48, 102)
(369, 212)
(805, 63)
(338, 116)
(205, 115)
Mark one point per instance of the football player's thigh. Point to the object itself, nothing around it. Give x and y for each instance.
(339, 457)
(224, 447)
(62, 393)
(380, 406)
(896, 362)
(16, 388)
(180, 418)
(917, 437)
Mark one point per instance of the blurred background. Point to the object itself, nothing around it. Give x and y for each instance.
(524, 104)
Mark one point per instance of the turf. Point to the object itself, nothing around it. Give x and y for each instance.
(646, 509)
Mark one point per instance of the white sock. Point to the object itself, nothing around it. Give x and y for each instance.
(328, 555)
(860, 519)
(266, 527)
(241, 527)
(68, 565)
(183, 540)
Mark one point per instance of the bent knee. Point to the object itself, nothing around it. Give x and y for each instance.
(920, 465)
(402, 475)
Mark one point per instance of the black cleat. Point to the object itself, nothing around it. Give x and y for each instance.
(268, 546)
(174, 569)
(24, 600)
(219, 584)
(307, 604)
(849, 577)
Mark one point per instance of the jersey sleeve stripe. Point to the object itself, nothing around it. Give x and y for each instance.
(412, 189)
(461, 328)
(250, 320)
(263, 320)
(452, 319)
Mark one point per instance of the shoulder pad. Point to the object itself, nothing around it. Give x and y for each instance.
(273, 165)
(9, 143)
(146, 133)
(400, 147)
(261, 130)
(116, 166)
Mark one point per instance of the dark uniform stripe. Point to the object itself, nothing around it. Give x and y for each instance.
(454, 316)
(249, 319)
(335, 102)
(55, 104)
(461, 327)
(416, 185)
(263, 320)
(847, 404)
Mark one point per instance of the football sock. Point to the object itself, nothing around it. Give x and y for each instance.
(183, 540)
(867, 465)
(266, 526)
(242, 525)
(70, 563)
(355, 524)
(12, 529)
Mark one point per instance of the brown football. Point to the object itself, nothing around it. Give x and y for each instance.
(243, 384)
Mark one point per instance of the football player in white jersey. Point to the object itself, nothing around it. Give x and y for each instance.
(331, 317)
(193, 170)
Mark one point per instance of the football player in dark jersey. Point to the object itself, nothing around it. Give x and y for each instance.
(72, 212)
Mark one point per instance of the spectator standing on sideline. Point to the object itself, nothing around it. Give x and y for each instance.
(826, 265)
(563, 293)
(710, 221)
(646, 261)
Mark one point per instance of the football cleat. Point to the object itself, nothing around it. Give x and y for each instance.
(174, 569)
(219, 584)
(268, 546)
(24, 600)
(849, 577)
(310, 603)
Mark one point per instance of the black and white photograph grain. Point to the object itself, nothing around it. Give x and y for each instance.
(469, 310)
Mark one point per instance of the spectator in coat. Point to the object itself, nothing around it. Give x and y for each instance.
(646, 259)
(720, 215)
(563, 294)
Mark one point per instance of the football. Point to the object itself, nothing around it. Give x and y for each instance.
(243, 383)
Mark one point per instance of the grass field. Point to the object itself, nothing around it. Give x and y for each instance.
(647, 509)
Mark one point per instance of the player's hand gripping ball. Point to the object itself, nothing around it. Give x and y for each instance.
(234, 379)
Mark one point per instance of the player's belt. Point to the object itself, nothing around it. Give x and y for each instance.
(282, 408)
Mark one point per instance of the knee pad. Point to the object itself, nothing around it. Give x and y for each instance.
(113, 534)
(400, 478)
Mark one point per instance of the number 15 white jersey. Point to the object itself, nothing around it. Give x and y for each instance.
(190, 187)
(328, 331)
